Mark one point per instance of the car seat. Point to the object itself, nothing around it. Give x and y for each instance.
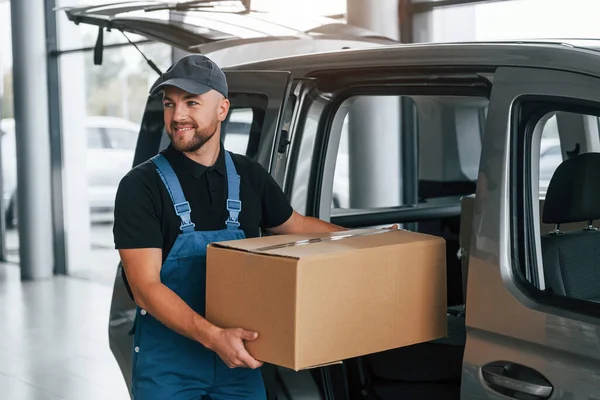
(572, 258)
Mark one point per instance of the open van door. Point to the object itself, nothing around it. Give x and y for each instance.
(526, 339)
(263, 94)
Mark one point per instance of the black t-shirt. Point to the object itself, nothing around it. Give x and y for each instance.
(144, 212)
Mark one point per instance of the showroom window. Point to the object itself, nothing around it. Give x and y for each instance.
(488, 20)
(108, 100)
(9, 244)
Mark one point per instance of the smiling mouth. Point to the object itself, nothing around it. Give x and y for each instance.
(183, 129)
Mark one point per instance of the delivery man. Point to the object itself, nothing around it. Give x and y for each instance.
(167, 210)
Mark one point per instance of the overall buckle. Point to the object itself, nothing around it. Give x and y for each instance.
(234, 207)
(182, 208)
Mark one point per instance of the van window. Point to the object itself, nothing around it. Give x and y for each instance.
(243, 128)
(559, 251)
(237, 130)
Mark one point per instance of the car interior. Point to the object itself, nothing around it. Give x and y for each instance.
(569, 214)
(567, 254)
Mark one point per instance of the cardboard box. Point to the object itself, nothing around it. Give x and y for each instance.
(322, 298)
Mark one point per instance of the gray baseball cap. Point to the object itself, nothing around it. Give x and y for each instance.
(194, 73)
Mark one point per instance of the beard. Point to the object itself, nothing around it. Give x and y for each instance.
(201, 136)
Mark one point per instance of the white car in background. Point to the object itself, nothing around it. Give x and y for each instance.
(110, 145)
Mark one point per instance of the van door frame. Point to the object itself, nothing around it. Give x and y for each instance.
(398, 83)
(336, 91)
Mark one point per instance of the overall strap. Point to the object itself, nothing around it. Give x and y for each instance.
(182, 207)
(234, 205)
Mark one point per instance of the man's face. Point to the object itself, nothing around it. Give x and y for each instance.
(192, 120)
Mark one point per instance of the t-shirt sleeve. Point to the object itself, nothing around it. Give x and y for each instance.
(276, 208)
(137, 223)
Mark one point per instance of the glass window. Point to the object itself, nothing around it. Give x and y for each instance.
(550, 153)
(110, 98)
(95, 139)
(486, 21)
(9, 152)
(6, 90)
(292, 7)
(564, 232)
(122, 139)
(237, 130)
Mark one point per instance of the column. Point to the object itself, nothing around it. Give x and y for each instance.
(374, 122)
(73, 142)
(32, 139)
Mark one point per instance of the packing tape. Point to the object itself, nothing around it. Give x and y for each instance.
(325, 239)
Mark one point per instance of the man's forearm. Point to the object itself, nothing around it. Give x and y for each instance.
(167, 307)
(315, 225)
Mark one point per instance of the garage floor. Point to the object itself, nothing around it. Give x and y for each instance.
(53, 339)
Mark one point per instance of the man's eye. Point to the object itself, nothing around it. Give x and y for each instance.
(168, 105)
(192, 103)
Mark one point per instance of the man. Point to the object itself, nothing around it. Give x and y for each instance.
(167, 210)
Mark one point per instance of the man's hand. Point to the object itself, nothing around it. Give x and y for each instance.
(229, 345)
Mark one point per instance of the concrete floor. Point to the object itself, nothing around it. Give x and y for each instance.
(53, 333)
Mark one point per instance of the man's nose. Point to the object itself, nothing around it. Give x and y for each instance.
(180, 113)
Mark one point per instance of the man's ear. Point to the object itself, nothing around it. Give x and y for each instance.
(223, 109)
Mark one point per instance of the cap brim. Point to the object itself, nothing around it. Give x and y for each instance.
(188, 85)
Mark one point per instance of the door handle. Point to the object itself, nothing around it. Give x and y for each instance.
(513, 379)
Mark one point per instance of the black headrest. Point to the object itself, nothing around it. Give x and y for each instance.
(574, 191)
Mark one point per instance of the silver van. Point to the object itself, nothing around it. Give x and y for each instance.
(492, 146)
(448, 140)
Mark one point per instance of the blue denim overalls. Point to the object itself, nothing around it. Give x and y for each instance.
(167, 365)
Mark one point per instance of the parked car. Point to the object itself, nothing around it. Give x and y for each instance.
(430, 125)
(111, 143)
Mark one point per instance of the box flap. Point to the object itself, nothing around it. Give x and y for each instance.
(321, 244)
